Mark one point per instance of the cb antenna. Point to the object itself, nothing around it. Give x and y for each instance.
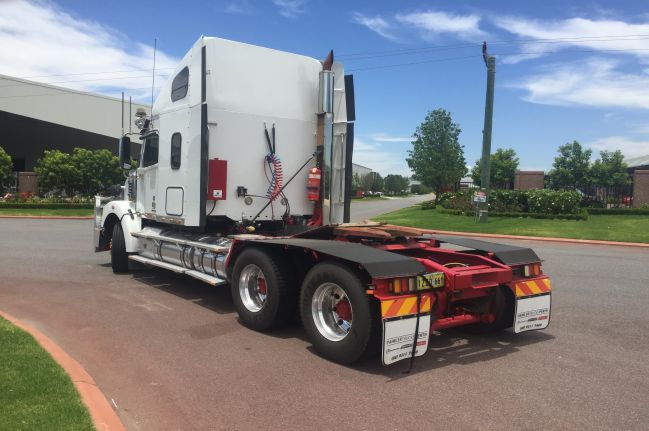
(122, 113)
(155, 47)
(130, 114)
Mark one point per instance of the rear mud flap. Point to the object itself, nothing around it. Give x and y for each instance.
(398, 335)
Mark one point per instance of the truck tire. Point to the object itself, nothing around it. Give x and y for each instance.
(503, 310)
(338, 317)
(118, 255)
(263, 289)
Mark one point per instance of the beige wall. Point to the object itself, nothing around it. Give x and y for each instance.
(525, 180)
(83, 111)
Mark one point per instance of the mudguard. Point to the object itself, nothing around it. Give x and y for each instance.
(130, 220)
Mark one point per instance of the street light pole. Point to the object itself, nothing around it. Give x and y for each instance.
(490, 62)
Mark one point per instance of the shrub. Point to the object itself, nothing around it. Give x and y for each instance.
(456, 201)
(507, 201)
(6, 169)
(583, 215)
(619, 211)
(46, 205)
(553, 202)
(420, 189)
(539, 201)
(428, 205)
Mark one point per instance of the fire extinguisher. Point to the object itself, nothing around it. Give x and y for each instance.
(313, 184)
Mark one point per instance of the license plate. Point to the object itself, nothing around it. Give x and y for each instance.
(532, 313)
(436, 279)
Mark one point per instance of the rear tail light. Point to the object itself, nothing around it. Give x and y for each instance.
(403, 285)
(532, 270)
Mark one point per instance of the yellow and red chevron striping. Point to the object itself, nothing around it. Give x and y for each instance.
(404, 306)
(533, 287)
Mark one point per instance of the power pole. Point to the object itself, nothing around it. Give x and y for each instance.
(490, 62)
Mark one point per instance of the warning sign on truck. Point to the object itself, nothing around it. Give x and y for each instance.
(398, 335)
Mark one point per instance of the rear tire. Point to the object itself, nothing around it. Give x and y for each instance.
(263, 289)
(325, 289)
(503, 310)
(118, 255)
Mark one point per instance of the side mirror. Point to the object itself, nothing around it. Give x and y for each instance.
(125, 152)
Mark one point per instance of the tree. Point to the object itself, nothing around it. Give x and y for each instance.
(436, 157)
(395, 184)
(56, 172)
(571, 167)
(97, 170)
(372, 182)
(356, 183)
(504, 164)
(610, 170)
(6, 169)
(84, 171)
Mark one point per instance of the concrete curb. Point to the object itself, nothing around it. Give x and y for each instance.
(49, 217)
(535, 238)
(101, 412)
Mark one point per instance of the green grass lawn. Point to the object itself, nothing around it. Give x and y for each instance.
(46, 212)
(600, 227)
(35, 392)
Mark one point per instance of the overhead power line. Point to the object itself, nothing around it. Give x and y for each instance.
(406, 51)
(436, 60)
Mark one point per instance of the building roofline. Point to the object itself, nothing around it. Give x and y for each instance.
(67, 90)
(362, 166)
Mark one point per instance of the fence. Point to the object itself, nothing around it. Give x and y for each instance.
(606, 196)
(462, 186)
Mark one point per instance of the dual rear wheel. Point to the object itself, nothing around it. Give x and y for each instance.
(336, 314)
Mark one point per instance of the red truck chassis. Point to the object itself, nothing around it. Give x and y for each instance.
(411, 283)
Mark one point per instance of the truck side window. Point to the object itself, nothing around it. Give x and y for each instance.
(179, 85)
(176, 143)
(150, 155)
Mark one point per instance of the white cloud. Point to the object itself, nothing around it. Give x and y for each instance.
(596, 82)
(40, 40)
(432, 23)
(629, 147)
(379, 160)
(239, 7)
(290, 8)
(376, 24)
(384, 137)
(599, 35)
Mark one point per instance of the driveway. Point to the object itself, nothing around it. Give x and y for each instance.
(170, 354)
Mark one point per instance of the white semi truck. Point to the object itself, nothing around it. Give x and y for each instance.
(244, 179)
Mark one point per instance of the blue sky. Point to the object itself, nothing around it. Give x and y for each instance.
(563, 72)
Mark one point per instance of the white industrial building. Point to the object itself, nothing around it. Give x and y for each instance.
(35, 117)
(360, 170)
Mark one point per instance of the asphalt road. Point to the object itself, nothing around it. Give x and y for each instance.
(362, 209)
(170, 353)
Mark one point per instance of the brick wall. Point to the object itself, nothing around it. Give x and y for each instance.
(525, 180)
(640, 188)
(27, 182)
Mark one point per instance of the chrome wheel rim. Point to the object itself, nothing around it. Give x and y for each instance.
(253, 289)
(332, 312)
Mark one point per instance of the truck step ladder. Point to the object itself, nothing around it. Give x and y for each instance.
(214, 281)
